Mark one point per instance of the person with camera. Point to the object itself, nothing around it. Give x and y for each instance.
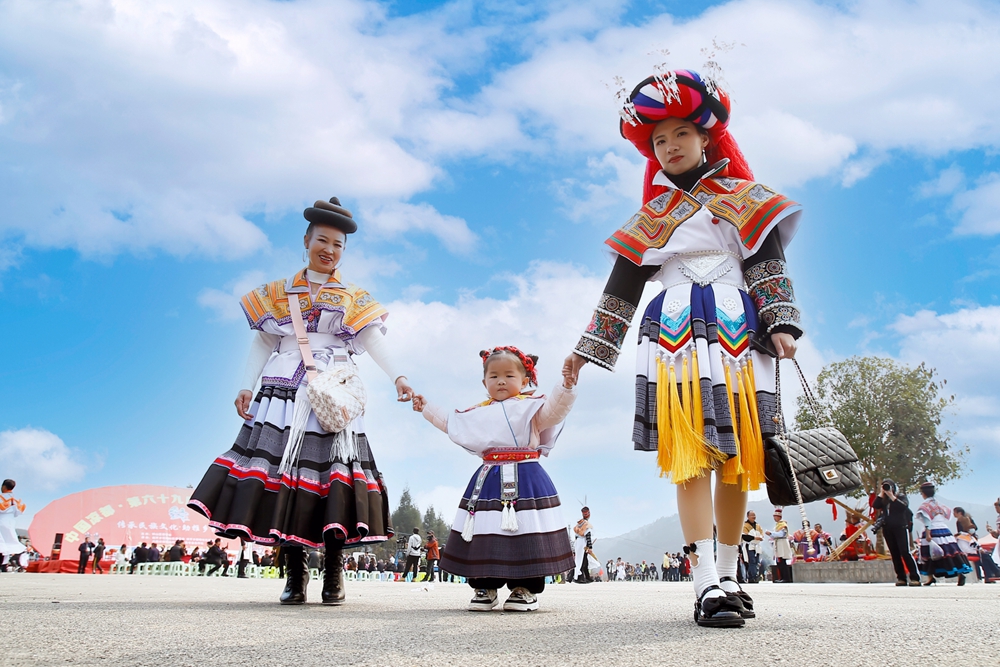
(896, 524)
(433, 555)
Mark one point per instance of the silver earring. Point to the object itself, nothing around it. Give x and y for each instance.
(304, 258)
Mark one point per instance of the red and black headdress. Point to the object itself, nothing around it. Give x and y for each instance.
(681, 94)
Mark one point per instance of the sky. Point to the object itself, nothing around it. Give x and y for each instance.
(155, 159)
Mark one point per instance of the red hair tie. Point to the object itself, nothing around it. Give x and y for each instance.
(527, 362)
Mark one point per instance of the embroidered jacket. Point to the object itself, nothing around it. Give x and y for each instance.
(334, 318)
(356, 307)
(718, 214)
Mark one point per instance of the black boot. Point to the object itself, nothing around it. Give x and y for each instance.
(333, 577)
(298, 576)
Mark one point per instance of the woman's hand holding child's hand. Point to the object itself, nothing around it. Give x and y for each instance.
(570, 376)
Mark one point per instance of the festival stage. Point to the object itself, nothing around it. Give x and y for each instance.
(66, 566)
(878, 571)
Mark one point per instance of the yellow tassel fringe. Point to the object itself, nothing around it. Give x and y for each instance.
(683, 453)
(733, 468)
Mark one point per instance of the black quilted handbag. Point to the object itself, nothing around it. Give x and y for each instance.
(804, 466)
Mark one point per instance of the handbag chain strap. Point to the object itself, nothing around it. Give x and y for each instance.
(779, 420)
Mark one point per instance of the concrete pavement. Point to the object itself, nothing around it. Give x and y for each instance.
(173, 621)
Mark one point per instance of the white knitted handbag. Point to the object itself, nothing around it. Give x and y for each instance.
(336, 396)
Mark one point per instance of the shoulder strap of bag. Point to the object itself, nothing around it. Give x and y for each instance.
(301, 337)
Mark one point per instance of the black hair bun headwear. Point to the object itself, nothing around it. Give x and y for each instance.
(331, 214)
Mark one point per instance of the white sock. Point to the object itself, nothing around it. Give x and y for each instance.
(704, 573)
(725, 565)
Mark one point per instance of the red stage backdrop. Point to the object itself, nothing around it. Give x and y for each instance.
(121, 515)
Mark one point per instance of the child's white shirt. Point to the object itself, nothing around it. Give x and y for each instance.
(524, 422)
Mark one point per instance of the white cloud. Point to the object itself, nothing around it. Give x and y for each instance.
(980, 208)
(948, 182)
(589, 198)
(962, 345)
(790, 150)
(176, 121)
(801, 109)
(391, 219)
(226, 303)
(36, 458)
(964, 349)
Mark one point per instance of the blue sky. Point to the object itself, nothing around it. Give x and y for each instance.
(156, 157)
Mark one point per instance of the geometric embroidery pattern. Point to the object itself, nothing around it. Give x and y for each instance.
(653, 225)
(602, 341)
(675, 332)
(270, 301)
(747, 205)
(734, 335)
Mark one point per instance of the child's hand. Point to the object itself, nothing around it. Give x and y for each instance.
(419, 402)
(569, 379)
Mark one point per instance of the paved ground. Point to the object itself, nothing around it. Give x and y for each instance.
(170, 622)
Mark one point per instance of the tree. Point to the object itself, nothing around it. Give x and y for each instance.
(407, 514)
(891, 414)
(434, 521)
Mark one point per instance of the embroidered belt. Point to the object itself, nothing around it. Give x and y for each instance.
(502, 455)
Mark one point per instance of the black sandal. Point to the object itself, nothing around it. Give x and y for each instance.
(744, 598)
(718, 612)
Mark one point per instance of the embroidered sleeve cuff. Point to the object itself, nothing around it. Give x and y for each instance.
(772, 294)
(602, 341)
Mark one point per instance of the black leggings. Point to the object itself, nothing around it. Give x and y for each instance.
(535, 585)
(899, 549)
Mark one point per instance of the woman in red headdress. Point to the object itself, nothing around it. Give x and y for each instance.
(715, 239)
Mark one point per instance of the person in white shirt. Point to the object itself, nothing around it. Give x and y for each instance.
(753, 541)
(583, 547)
(10, 509)
(412, 555)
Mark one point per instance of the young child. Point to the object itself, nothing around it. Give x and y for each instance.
(509, 529)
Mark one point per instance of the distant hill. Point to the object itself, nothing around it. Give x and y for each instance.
(649, 542)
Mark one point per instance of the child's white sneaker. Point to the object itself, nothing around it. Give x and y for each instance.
(520, 600)
(484, 600)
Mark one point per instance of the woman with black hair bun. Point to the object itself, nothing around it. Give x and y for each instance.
(287, 481)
